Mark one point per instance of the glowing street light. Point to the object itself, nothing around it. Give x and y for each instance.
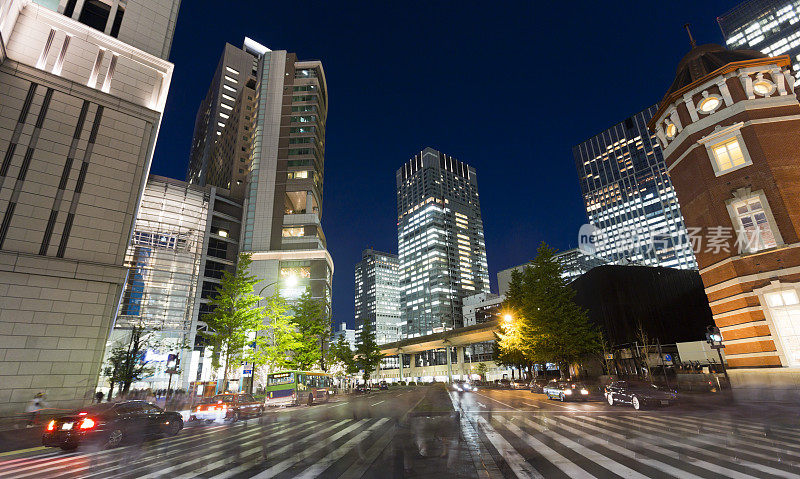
(508, 318)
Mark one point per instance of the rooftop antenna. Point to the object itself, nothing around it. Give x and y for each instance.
(691, 38)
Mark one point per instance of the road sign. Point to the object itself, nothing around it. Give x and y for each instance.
(247, 372)
(668, 357)
(609, 356)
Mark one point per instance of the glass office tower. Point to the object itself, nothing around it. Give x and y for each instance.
(440, 241)
(769, 26)
(377, 298)
(629, 197)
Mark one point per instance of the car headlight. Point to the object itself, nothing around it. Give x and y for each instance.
(568, 392)
(584, 392)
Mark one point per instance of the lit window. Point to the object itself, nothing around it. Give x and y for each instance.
(293, 232)
(755, 232)
(784, 309)
(763, 87)
(227, 107)
(232, 80)
(223, 115)
(728, 155)
(229, 88)
(709, 104)
(228, 97)
(231, 70)
(671, 131)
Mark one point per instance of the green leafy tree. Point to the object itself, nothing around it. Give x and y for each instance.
(551, 326)
(480, 370)
(312, 321)
(342, 358)
(235, 316)
(127, 363)
(368, 353)
(276, 339)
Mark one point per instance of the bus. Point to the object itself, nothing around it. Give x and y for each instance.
(298, 387)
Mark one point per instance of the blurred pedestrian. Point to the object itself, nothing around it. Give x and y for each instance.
(36, 404)
(99, 396)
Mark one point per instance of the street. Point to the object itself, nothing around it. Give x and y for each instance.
(432, 432)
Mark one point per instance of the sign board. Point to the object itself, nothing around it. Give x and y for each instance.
(609, 356)
(247, 372)
(668, 358)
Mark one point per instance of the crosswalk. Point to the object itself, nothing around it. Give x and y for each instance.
(648, 444)
(246, 449)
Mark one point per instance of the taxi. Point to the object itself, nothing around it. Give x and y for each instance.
(227, 407)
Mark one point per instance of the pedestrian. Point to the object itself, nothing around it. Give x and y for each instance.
(99, 396)
(36, 404)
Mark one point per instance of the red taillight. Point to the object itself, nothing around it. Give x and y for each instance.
(82, 413)
(51, 425)
(87, 423)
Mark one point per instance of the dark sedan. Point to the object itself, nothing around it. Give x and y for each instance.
(638, 395)
(537, 385)
(110, 424)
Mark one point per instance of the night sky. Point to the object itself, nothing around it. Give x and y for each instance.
(507, 87)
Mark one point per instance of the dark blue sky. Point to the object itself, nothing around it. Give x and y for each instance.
(507, 87)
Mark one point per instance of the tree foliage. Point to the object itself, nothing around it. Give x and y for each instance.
(342, 358)
(550, 326)
(313, 323)
(276, 338)
(126, 363)
(235, 315)
(368, 353)
(480, 370)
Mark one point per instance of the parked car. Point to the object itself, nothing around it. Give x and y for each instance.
(537, 385)
(518, 384)
(566, 391)
(363, 388)
(638, 395)
(229, 406)
(503, 383)
(110, 424)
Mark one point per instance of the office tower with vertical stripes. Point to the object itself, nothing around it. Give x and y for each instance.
(442, 253)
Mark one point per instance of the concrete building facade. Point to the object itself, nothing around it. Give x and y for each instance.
(729, 127)
(83, 88)
(441, 246)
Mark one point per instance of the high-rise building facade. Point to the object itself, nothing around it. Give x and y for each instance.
(442, 252)
(377, 298)
(574, 263)
(83, 85)
(769, 26)
(482, 308)
(629, 197)
(260, 131)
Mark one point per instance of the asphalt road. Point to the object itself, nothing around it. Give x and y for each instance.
(432, 432)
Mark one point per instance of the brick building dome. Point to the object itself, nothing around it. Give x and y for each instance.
(704, 59)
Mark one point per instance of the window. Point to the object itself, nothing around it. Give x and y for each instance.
(232, 80)
(293, 232)
(217, 248)
(231, 70)
(709, 104)
(294, 175)
(784, 310)
(728, 155)
(117, 21)
(95, 14)
(753, 225)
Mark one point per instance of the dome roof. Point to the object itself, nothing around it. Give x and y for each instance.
(704, 59)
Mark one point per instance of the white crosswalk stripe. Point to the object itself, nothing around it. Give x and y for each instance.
(674, 446)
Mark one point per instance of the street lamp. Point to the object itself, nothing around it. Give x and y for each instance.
(508, 318)
(290, 281)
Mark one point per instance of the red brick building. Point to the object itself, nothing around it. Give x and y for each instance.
(730, 129)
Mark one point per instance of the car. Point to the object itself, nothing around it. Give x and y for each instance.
(363, 388)
(383, 386)
(110, 424)
(638, 395)
(463, 386)
(518, 384)
(227, 407)
(537, 385)
(565, 391)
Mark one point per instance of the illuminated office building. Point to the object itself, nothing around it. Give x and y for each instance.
(441, 246)
(629, 197)
(83, 86)
(769, 26)
(377, 298)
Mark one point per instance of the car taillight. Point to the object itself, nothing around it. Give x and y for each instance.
(51, 425)
(87, 423)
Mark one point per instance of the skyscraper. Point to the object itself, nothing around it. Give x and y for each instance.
(441, 247)
(260, 131)
(629, 197)
(83, 90)
(377, 298)
(769, 26)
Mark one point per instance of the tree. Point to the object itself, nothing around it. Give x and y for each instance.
(235, 316)
(276, 338)
(368, 353)
(480, 370)
(644, 353)
(342, 358)
(313, 323)
(551, 326)
(127, 363)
